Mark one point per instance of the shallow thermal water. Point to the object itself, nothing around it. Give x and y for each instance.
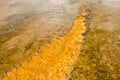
(25, 26)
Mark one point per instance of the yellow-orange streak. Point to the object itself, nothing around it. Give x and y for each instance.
(57, 58)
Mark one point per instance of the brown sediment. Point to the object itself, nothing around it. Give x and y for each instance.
(57, 58)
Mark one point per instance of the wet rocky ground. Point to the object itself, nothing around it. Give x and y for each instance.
(100, 55)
